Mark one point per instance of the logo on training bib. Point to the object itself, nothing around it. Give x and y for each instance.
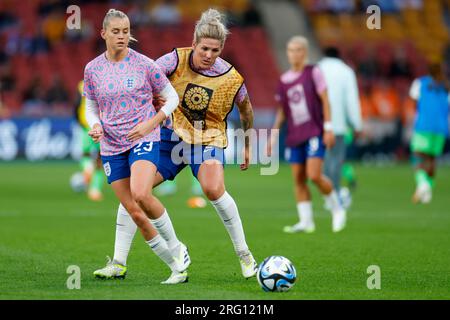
(298, 105)
(195, 103)
(107, 168)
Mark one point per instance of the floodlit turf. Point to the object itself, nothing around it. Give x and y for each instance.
(45, 227)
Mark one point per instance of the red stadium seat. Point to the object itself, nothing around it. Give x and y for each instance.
(12, 100)
(69, 58)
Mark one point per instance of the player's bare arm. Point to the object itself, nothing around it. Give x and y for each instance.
(279, 120)
(246, 115)
(328, 136)
(144, 128)
(169, 99)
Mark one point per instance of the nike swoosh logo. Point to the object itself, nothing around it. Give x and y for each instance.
(141, 153)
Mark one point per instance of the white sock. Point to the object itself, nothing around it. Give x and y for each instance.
(305, 213)
(125, 231)
(228, 212)
(160, 248)
(333, 199)
(165, 228)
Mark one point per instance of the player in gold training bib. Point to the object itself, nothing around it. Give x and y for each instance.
(205, 102)
(207, 87)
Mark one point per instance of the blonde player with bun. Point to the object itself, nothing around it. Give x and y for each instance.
(119, 86)
(208, 87)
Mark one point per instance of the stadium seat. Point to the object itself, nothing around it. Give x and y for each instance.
(69, 58)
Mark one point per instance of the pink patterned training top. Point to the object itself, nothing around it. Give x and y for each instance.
(124, 92)
(169, 62)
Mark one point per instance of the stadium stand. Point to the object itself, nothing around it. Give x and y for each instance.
(413, 33)
(34, 43)
(46, 50)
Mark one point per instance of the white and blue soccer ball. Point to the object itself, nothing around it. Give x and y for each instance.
(276, 273)
(77, 182)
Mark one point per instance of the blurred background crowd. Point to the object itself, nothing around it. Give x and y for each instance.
(42, 61)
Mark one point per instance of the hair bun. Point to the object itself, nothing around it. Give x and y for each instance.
(211, 25)
(212, 16)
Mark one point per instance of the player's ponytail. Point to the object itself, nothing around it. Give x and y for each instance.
(113, 13)
(211, 25)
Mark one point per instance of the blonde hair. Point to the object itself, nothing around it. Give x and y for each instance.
(211, 25)
(113, 13)
(299, 40)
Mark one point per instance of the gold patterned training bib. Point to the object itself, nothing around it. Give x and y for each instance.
(205, 102)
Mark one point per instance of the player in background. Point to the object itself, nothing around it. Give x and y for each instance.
(342, 89)
(302, 94)
(431, 93)
(196, 73)
(119, 85)
(91, 168)
(348, 171)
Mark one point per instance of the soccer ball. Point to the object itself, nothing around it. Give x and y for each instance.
(77, 182)
(276, 273)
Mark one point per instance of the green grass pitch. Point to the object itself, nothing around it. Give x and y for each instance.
(45, 227)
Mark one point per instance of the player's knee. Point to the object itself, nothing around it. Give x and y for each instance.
(315, 177)
(213, 191)
(140, 196)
